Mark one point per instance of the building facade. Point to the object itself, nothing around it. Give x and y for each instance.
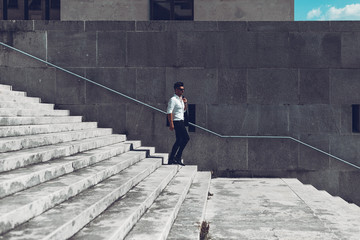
(144, 10)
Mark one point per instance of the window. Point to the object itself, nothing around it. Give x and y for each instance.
(356, 118)
(13, 4)
(172, 9)
(55, 4)
(35, 5)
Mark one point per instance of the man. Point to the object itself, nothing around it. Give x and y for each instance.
(175, 113)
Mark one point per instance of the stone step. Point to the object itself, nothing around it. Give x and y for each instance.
(14, 98)
(21, 130)
(14, 160)
(342, 207)
(23, 178)
(12, 92)
(66, 219)
(22, 206)
(13, 112)
(22, 105)
(118, 219)
(5, 87)
(192, 212)
(344, 224)
(158, 219)
(14, 121)
(32, 141)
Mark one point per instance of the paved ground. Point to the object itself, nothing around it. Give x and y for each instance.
(262, 209)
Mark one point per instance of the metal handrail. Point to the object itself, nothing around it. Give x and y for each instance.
(161, 111)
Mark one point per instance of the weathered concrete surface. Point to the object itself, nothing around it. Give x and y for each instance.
(20, 179)
(157, 221)
(187, 224)
(204, 10)
(19, 208)
(66, 219)
(245, 10)
(275, 209)
(105, 10)
(118, 220)
(13, 160)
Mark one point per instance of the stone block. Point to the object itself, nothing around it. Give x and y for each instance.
(152, 26)
(118, 79)
(272, 86)
(350, 49)
(346, 119)
(272, 154)
(344, 86)
(72, 49)
(236, 49)
(232, 86)
(55, 25)
(232, 26)
(346, 147)
(314, 119)
(232, 154)
(315, 50)
(314, 86)
(201, 85)
(314, 26)
(271, 26)
(322, 180)
(228, 119)
(272, 119)
(70, 89)
(104, 26)
(112, 116)
(151, 85)
(272, 49)
(16, 25)
(349, 187)
(141, 120)
(33, 43)
(151, 49)
(191, 26)
(345, 26)
(197, 49)
(310, 159)
(40, 82)
(111, 49)
(11, 75)
(89, 112)
(202, 150)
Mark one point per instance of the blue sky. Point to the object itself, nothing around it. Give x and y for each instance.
(323, 10)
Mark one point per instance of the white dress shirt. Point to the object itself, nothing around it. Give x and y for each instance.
(176, 107)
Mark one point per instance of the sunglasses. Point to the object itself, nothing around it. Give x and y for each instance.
(181, 89)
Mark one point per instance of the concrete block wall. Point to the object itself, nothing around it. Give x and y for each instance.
(294, 79)
(204, 10)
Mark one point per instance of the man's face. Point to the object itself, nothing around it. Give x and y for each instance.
(180, 90)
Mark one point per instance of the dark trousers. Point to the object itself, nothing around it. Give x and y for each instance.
(182, 138)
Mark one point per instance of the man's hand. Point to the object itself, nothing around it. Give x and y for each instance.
(171, 126)
(185, 100)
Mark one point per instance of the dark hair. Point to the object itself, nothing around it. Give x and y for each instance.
(178, 84)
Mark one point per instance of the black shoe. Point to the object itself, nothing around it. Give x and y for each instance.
(171, 161)
(178, 161)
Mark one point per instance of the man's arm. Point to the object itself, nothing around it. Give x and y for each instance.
(170, 119)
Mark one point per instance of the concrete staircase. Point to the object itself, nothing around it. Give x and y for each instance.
(275, 209)
(61, 178)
